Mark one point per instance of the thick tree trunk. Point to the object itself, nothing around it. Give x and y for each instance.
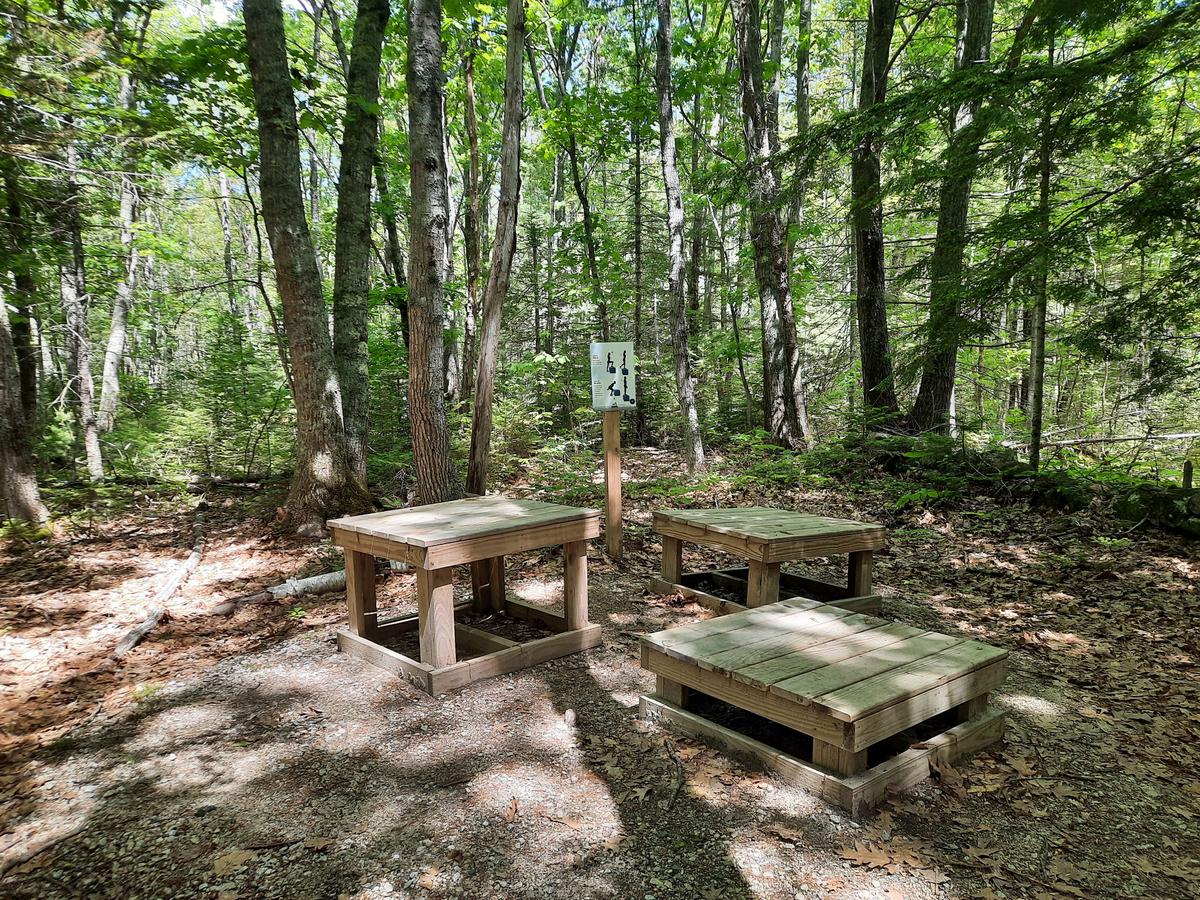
(24, 278)
(352, 240)
(18, 481)
(931, 411)
(436, 477)
(879, 391)
(324, 483)
(784, 403)
(693, 444)
(503, 248)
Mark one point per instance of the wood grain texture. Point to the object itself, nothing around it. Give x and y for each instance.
(435, 607)
(575, 584)
(457, 520)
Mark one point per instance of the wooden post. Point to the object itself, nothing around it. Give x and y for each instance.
(499, 599)
(763, 583)
(839, 760)
(575, 585)
(671, 691)
(672, 561)
(360, 593)
(861, 564)
(1187, 474)
(612, 482)
(480, 586)
(435, 611)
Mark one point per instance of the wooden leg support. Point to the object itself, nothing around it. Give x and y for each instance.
(671, 691)
(839, 760)
(360, 593)
(974, 707)
(861, 564)
(435, 607)
(672, 561)
(496, 591)
(575, 585)
(763, 586)
(480, 588)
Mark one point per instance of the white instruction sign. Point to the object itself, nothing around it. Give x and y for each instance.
(614, 383)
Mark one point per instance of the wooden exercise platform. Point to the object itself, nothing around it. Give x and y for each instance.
(850, 684)
(766, 538)
(478, 531)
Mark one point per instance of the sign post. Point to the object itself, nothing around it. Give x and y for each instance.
(614, 388)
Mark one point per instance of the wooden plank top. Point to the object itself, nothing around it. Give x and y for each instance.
(768, 526)
(459, 520)
(847, 664)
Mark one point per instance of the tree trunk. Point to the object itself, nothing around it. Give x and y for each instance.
(18, 481)
(640, 424)
(931, 411)
(471, 219)
(324, 482)
(352, 238)
(693, 444)
(784, 403)
(21, 262)
(114, 351)
(1037, 348)
(879, 390)
(503, 248)
(76, 303)
(437, 479)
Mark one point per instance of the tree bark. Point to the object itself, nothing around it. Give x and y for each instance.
(324, 483)
(931, 411)
(471, 217)
(352, 238)
(693, 444)
(21, 263)
(640, 424)
(503, 248)
(1037, 347)
(879, 391)
(430, 220)
(114, 351)
(784, 403)
(18, 481)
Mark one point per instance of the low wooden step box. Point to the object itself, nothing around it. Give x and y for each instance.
(849, 686)
(478, 531)
(766, 538)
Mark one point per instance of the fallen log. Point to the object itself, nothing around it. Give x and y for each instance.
(293, 587)
(158, 607)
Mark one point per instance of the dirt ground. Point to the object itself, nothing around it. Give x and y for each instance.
(242, 756)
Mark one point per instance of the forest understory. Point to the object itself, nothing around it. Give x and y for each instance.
(241, 756)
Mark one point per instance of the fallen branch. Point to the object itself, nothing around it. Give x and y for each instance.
(32, 853)
(167, 591)
(293, 587)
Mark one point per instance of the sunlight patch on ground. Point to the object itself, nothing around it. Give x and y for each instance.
(180, 725)
(537, 590)
(1044, 711)
(759, 862)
